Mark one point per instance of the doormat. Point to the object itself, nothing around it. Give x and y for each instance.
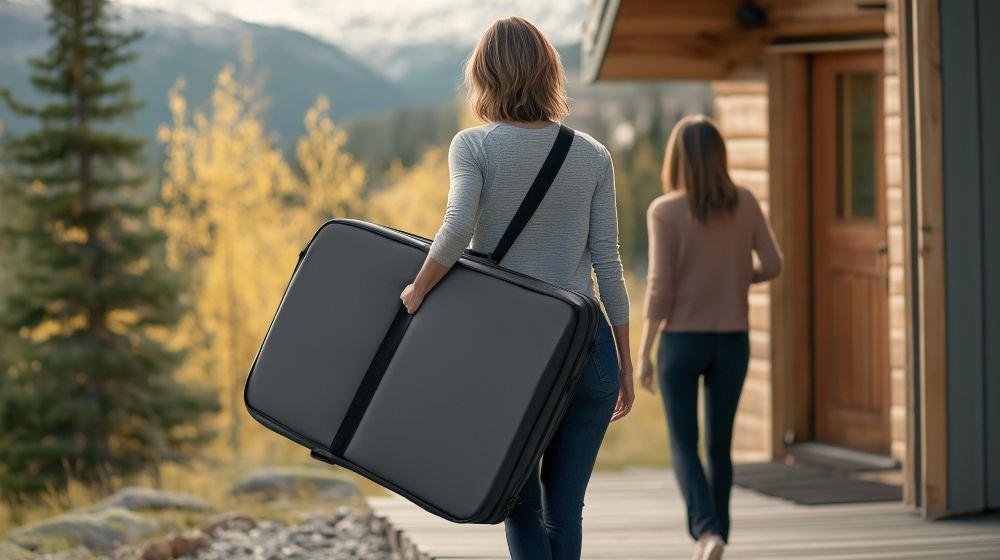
(812, 486)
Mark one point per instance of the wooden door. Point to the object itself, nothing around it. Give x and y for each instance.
(850, 268)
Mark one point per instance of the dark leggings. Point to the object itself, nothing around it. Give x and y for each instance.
(722, 359)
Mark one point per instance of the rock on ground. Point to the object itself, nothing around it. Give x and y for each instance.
(232, 520)
(10, 551)
(78, 553)
(176, 545)
(136, 498)
(279, 482)
(96, 530)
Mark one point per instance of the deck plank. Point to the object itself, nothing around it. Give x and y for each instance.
(638, 514)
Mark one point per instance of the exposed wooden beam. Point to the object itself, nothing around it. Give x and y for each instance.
(596, 35)
(926, 67)
(660, 66)
(860, 44)
(703, 39)
(899, 58)
(791, 335)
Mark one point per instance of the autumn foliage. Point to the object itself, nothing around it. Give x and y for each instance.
(236, 213)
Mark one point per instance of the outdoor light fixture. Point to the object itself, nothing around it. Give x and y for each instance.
(751, 16)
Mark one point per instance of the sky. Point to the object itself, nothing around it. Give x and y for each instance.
(363, 24)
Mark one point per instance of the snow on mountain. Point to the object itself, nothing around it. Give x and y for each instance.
(382, 30)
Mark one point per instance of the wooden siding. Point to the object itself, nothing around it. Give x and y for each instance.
(899, 311)
(773, 405)
(903, 280)
(741, 112)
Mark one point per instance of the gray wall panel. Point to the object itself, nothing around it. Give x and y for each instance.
(963, 255)
(989, 118)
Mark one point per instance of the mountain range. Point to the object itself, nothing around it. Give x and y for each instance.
(295, 67)
(393, 90)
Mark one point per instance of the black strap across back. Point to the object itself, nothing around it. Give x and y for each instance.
(540, 186)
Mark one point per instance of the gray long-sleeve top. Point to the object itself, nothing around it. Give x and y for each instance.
(573, 233)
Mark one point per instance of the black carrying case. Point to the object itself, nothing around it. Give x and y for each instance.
(450, 407)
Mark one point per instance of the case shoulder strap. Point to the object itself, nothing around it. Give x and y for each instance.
(546, 175)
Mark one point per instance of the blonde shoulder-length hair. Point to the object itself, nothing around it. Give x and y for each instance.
(695, 162)
(515, 74)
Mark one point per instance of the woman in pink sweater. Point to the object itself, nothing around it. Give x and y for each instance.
(703, 234)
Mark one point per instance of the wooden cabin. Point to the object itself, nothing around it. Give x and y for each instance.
(871, 133)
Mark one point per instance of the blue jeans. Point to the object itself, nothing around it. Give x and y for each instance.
(722, 358)
(547, 521)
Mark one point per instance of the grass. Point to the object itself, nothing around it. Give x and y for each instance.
(208, 480)
(641, 437)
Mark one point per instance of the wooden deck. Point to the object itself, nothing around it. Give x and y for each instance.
(638, 514)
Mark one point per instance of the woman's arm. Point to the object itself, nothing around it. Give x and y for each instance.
(602, 241)
(651, 327)
(660, 275)
(603, 244)
(766, 247)
(659, 290)
(430, 274)
(626, 395)
(458, 226)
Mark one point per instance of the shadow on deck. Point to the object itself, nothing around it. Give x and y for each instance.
(639, 514)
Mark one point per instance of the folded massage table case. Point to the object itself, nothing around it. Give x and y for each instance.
(450, 407)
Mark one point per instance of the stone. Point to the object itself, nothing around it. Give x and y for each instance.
(230, 521)
(78, 553)
(138, 498)
(176, 545)
(10, 551)
(94, 530)
(188, 542)
(274, 483)
(156, 550)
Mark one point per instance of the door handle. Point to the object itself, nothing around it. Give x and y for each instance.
(883, 251)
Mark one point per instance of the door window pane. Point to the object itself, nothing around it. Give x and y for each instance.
(856, 159)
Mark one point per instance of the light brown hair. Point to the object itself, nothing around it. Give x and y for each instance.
(695, 162)
(515, 74)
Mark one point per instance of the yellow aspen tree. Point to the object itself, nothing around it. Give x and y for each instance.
(224, 207)
(466, 118)
(334, 180)
(415, 198)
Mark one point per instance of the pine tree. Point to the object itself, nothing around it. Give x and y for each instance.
(89, 389)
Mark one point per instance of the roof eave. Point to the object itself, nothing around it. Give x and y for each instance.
(600, 21)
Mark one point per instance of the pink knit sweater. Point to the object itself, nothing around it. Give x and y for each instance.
(699, 275)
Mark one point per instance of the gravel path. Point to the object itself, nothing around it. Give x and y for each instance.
(346, 535)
